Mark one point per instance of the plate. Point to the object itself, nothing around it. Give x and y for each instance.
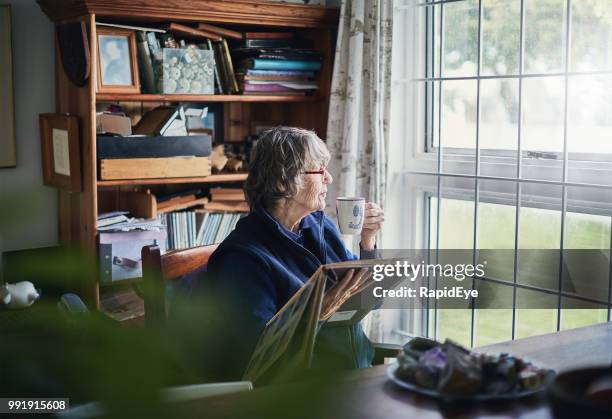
(476, 397)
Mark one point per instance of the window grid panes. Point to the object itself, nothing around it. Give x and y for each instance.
(523, 81)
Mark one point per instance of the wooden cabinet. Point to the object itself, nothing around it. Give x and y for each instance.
(78, 211)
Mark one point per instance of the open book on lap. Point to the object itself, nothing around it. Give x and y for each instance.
(286, 344)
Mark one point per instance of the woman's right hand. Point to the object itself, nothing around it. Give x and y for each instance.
(352, 283)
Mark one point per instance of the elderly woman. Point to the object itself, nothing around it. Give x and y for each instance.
(280, 244)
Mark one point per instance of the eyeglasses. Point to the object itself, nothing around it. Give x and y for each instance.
(317, 172)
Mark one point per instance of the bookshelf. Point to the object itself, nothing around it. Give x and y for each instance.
(106, 97)
(78, 210)
(221, 178)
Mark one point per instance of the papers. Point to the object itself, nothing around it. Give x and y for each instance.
(61, 152)
(119, 221)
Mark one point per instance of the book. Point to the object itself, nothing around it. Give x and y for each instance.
(269, 64)
(223, 226)
(230, 67)
(190, 32)
(240, 206)
(201, 229)
(134, 28)
(176, 128)
(273, 88)
(227, 194)
(156, 121)
(279, 93)
(268, 43)
(280, 73)
(220, 31)
(214, 227)
(294, 85)
(111, 214)
(286, 344)
(278, 53)
(181, 205)
(149, 147)
(145, 64)
(163, 204)
(220, 87)
(104, 222)
(269, 35)
(154, 48)
(221, 67)
(242, 77)
(113, 124)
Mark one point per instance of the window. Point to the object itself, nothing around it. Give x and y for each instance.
(502, 119)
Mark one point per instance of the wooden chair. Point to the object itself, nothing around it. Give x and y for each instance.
(158, 269)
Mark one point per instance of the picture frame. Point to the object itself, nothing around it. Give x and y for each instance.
(8, 148)
(60, 149)
(117, 70)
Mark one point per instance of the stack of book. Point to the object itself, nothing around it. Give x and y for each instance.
(197, 228)
(271, 64)
(227, 199)
(121, 221)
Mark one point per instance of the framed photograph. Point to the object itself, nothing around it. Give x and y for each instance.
(8, 155)
(117, 61)
(61, 154)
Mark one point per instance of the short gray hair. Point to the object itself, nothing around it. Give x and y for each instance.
(278, 159)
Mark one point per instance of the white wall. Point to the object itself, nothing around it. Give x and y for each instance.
(34, 87)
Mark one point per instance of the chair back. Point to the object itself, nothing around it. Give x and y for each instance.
(157, 269)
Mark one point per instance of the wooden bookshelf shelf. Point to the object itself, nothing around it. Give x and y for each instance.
(141, 97)
(237, 117)
(223, 178)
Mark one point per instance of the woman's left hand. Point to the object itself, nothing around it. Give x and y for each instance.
(372, 223)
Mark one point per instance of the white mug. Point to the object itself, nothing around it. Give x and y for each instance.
(350, 212)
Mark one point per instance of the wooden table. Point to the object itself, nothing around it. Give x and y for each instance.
(369, 394)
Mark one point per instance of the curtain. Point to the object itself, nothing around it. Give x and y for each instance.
(358, 126)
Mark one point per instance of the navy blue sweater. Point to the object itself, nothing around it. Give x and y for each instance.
(255, 271)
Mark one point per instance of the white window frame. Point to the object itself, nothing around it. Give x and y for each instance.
(418, 157)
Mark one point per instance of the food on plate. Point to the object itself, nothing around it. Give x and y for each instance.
(453, 370)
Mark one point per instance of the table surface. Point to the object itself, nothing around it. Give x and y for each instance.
(369, 394)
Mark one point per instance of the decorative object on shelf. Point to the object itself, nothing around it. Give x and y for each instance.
(74, 51)
(117, 61)
(186, 70)
(8, 156)
(19, 295)
(210, 122)
(61, 156)
(218, 159)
